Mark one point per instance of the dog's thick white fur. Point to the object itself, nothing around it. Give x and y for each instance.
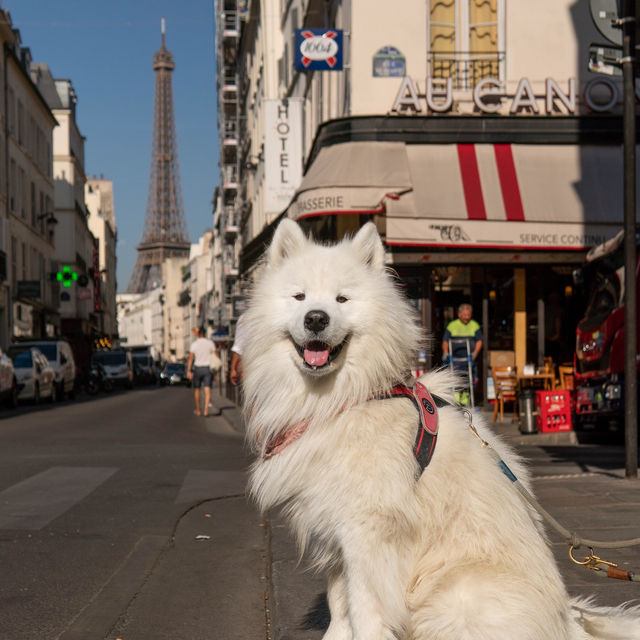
(451, 554)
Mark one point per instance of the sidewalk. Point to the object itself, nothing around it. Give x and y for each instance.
(582, 485)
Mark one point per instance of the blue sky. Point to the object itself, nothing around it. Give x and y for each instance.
(106, 49)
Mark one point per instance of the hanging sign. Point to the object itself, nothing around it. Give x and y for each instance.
(282, 152)
(318, 49)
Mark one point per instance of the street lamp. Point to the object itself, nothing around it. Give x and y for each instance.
(50, 218)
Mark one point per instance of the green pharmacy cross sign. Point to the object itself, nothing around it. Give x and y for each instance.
(66, 276)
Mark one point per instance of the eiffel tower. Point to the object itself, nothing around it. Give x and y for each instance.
(165, 230)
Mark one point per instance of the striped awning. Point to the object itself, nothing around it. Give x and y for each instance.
(497, 196)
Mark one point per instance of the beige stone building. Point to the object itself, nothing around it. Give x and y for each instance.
(174, 330)
(28, 294)
(482, 138)
(98, 195)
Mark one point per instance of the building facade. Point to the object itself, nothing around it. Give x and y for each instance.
(29, 305)
(476, 136)
(102, 224)
(173, 333)
(140, 320)
(195, 292)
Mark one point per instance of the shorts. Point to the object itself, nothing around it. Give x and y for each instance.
(201, 377)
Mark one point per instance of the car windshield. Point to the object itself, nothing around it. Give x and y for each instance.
(23, 359)
(142, 359)
(110, 358)
(175, 367)
(49, 349)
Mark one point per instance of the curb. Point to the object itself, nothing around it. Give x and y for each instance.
(229, 411)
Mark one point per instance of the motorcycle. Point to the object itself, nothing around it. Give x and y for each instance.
(96, 380)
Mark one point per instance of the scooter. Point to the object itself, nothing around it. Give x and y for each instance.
(97, 380)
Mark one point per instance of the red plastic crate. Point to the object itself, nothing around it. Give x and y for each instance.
(554, 411)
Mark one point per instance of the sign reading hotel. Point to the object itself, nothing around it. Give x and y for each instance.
(318, 49)
(488, 96)
(282, 151)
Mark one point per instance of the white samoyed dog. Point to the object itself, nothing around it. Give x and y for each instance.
(451, 552)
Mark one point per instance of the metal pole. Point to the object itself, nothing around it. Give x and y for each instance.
(630, 310)
(485, 336)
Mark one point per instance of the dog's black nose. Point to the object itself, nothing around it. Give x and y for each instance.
(316, 321)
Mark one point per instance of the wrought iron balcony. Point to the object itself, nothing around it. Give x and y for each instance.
(466, 68)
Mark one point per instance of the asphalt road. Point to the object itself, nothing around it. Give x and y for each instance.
(123, 516)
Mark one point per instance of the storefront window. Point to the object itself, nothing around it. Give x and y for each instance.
(333, 228)
(552, 287)
(501, 308)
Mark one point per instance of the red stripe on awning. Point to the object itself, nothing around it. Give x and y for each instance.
(509, 182)
(471, 182)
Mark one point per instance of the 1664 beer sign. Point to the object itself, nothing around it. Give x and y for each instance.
(318, 49)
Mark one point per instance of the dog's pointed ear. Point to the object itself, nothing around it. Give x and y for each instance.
(287, 240)
(369, 246)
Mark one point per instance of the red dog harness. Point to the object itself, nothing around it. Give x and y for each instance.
(427, 406)
(425, 443)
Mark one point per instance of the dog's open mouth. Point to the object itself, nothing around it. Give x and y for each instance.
(317, 354)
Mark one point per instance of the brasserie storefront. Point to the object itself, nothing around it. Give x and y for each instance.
(496, 210)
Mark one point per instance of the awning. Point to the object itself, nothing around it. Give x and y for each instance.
(482, 196)
(356, 177)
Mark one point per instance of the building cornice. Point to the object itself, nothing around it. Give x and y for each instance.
(601, 129)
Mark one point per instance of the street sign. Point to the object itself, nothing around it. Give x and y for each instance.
(29, 289)
(603, 13)
(605, 59)
(318, 49)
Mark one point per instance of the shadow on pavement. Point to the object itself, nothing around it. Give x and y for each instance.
(605, 457)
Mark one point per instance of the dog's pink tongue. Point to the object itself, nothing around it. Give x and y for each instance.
(316, 358)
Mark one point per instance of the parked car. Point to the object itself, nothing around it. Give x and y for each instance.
(174, 373)
(35, 376)
(117, 365)
(144, 368)
(8, 382)
(58, 352)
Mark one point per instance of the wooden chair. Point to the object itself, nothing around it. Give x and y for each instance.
(506, 385)
(566, 377)
(549, 368)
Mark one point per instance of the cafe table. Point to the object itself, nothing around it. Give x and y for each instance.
(536, 380)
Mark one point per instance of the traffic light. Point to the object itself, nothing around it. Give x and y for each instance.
(66, 275)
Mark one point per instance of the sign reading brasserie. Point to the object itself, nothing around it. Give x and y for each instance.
(488, 96)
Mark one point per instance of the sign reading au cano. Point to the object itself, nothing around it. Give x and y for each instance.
(488, 96)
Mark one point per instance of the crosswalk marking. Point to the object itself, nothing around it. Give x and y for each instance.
(202, 485)
(36, 501)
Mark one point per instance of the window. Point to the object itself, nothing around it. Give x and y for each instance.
(34, 217)
(22, 194)
(20, 123)
(11, 112)
(42, 210)
(466, 40)
(14, 261)
(12, 186)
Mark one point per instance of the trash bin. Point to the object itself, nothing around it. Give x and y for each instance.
(527, 408)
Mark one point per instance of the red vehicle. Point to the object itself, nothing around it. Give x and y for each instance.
(600, 344)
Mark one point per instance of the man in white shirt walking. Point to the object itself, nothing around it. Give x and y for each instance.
(198, 370)
(237, 348)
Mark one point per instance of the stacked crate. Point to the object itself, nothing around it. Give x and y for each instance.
(554, 410)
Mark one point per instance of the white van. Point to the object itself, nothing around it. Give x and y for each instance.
(118, 366)
(58, 353)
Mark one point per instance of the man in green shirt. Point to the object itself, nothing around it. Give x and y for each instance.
(463, 327)
(457, 335)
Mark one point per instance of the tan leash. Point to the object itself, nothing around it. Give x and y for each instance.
(592, 561)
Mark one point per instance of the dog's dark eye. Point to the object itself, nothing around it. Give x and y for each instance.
(342, 299)
(299, 296)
